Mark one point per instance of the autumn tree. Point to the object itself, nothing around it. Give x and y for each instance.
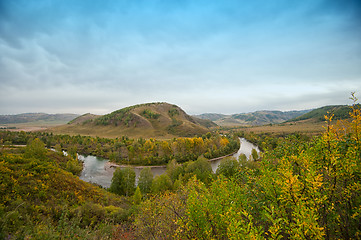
(123, 181)
(174, 170)
(36, 149)
(201, 168)
(161, 183)
(145, 180)
(228, 167)
(137, 197)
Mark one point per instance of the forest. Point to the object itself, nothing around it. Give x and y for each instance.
(301, 187)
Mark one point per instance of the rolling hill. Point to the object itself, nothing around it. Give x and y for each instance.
(339, 112)
(143, 120)
(252, 119)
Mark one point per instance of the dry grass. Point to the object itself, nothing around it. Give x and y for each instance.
(109, 131)
(308, 127)
(32, 126)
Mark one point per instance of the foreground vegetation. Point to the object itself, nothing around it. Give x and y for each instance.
(42, 198)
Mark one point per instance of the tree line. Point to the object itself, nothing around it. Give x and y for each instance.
(140, 151)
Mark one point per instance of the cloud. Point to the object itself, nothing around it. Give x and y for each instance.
(211, 56)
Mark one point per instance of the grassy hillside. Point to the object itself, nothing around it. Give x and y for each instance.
(144, 120)
(339, 112)
(308, 127)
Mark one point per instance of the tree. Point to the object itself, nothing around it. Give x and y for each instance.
(161, 183)
(72, 151)
(35, 148)
(145, 180)
(242, 158)
(201, 168)
(59, 150)
(123, 181)
(228, 167)
(137, 197)
(254, 154)
(174, 169)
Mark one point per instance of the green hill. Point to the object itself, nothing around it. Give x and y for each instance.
(339, 112)
(143, 120)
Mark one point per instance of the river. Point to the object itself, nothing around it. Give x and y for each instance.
(98, 170)
(244, 148)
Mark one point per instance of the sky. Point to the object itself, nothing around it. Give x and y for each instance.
(206, 56)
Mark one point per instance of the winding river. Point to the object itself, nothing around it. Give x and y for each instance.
(100, 171)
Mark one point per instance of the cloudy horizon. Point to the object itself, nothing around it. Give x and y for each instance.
(204, 56)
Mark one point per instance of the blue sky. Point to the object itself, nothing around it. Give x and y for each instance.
(203, 55)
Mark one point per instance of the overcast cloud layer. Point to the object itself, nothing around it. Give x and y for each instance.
(228, 56)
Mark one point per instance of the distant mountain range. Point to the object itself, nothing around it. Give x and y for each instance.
(253, 118)
(274, 117)
(37, 117)
(164, 120)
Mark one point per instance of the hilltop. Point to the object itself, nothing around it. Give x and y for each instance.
(143, 120)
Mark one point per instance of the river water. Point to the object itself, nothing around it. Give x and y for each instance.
(244, 148)
(95, 170)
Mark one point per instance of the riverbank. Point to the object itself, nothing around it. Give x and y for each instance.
(109, 165)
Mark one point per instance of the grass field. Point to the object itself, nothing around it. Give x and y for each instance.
(108, 131)
(32, 126)
(309, 127)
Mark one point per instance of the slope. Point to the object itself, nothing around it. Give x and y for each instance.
(339, 112)
(144, 120)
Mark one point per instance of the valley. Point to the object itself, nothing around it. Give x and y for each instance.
(110, 183)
